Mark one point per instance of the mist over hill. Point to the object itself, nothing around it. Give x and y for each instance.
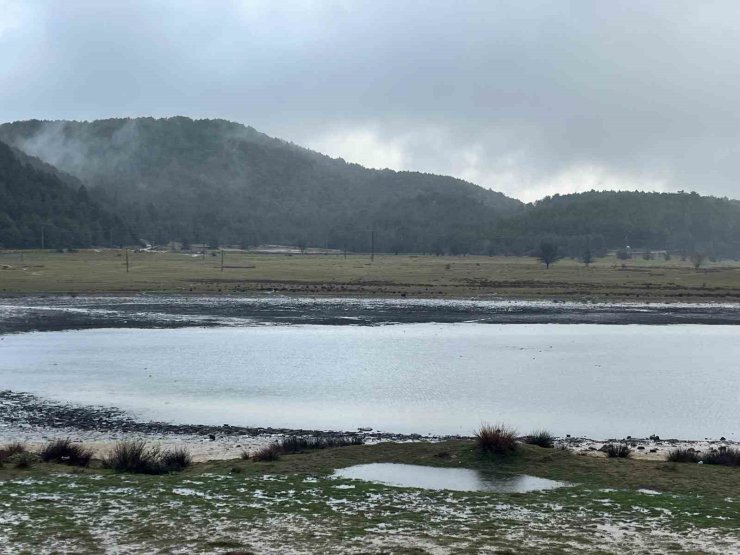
(218, 182)
(40, 206)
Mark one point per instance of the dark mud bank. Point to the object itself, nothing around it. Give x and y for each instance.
(55, 313)
(19, 411)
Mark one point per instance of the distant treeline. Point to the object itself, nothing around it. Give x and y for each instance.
(680, 223)
(220, 183)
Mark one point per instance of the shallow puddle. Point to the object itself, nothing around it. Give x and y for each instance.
(455, 479)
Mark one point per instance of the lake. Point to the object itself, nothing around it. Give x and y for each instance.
(599, 381)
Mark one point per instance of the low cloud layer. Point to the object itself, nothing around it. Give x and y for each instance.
(529, 98)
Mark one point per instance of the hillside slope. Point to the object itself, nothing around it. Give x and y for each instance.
(678, 222)
(218, 182)
(37, 205)
(221, 182)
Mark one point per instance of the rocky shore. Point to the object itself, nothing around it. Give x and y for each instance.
(33, 420)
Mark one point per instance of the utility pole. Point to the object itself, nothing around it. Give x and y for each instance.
(222, 260)
(127, 261)
(43, 229)
(345, 250)
(372, 245)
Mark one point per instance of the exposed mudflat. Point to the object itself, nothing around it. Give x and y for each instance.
(56, 313)
(34, 421)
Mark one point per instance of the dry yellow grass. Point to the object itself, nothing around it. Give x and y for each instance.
(104, 271)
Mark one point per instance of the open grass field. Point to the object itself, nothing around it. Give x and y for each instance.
(293, 506)
(104, 271)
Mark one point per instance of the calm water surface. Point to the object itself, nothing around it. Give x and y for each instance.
(454, 479)
(595, 380)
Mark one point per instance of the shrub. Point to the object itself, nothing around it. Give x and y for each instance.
(22, 460)
(176, 459)
(496, 439)
(341, 441)
(269, 452)
(542, 438)
(11, 449)
(135, 456)
(65, 452)
(725, 457)
(296, 444)
(244, 455)
(682, 455)
(618, 451)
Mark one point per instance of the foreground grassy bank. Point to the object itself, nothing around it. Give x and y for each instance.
(292, 505)
(104, 271)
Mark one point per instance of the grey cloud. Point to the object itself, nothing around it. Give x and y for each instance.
(526, 97)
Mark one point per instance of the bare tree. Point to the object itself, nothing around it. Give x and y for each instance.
(587, 257)
(549, 253)
(697, 259)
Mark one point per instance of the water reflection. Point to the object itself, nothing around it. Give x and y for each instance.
(584, 380)
(454, 479)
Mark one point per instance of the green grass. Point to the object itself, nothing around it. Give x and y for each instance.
(292, 504)
(388, 275)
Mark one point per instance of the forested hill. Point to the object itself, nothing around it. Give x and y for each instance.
(679, 222)
(34, 202)
(220, 182)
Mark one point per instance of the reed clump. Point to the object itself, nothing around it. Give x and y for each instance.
(618, 451)
(63, 451)
(683, 455)
(267, 453)
(725, 456)
(137, 457)
(496, 439)
(541, 438)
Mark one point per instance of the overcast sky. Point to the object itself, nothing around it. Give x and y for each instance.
(528, 98)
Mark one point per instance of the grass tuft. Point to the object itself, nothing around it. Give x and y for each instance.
(11, 449)
(23, 460)
(618, 451)
(682, 455)
(63, 451)
(176, 459)
(136, 457)
(541, 438)
(269, 452)
(299, 444)
(133, 456)
(496, 439)
(296, 444)
(725, 456)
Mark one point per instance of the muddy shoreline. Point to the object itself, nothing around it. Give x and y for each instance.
(59, 313)
(24, 410)
(34, 420)
(29, 418)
